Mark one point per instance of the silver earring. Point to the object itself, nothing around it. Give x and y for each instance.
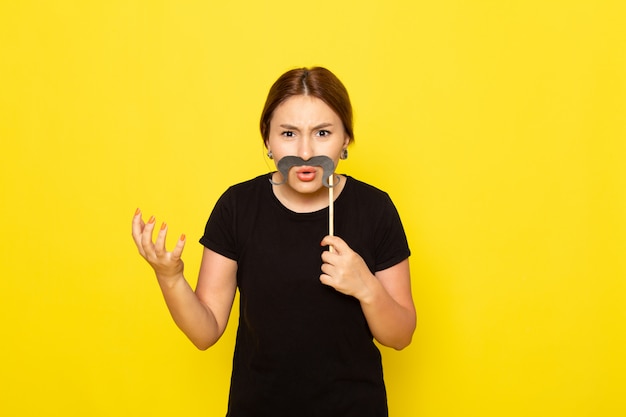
(270, 155)
(344, 154)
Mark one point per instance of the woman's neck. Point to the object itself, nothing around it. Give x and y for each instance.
(307, 202)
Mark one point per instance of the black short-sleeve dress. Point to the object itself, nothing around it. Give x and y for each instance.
(302, 349)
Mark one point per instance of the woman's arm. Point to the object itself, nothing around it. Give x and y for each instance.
(385, 298)
(389, 309)
(202, 315)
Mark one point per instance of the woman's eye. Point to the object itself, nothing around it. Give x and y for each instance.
(288, 134)
(323, 133)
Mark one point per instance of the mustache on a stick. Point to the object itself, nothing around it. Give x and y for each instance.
(288, 162)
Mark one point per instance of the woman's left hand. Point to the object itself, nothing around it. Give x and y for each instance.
(385, 297)
(344, 269)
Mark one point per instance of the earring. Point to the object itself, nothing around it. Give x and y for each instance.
(344, 154)
(270, 155)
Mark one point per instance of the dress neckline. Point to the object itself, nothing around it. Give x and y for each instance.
(313, 213)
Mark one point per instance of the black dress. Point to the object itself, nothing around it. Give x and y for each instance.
(303, 349)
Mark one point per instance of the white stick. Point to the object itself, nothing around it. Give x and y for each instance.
(331, 211)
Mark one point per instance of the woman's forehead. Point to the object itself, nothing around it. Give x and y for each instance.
(304, 110)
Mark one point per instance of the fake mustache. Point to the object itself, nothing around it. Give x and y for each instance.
(288, 162)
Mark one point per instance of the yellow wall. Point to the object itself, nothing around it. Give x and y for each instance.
(498, 128)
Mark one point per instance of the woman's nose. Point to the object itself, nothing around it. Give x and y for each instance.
(305, 150)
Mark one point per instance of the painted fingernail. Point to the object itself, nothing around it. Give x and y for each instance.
(183, 237)
(152, 219)
(163, 226)
(137, 211)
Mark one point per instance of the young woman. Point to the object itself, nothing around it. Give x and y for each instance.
(308, 315)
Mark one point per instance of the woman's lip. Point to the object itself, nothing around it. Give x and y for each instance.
(306, 174)
(305, 169)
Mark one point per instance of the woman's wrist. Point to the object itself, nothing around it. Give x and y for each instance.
(167, 281)
(370, 290)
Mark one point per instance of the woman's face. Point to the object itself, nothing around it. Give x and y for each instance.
(305, 126)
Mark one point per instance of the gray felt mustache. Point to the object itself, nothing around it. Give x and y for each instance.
(288, 162)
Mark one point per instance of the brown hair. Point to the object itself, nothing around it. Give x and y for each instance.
(316, 82)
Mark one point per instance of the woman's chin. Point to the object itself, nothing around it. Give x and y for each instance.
(305, 187)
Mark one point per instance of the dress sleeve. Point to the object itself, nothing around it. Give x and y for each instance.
(392, 246)
(219, 233)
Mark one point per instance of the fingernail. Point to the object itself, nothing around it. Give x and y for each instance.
(151, 220)
(163, 226)
(183, 237)
(137, 211)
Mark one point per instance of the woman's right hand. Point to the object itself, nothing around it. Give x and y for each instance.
(168, 266)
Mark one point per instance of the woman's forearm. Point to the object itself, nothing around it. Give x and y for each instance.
(190, 314)
(391, 324)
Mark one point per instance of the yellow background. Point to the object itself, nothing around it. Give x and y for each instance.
(498, 128)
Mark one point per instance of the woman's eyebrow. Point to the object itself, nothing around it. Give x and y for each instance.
(292, 127)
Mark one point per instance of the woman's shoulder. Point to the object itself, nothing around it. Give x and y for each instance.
(257, 183)
(246, 192)
(361, 188)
